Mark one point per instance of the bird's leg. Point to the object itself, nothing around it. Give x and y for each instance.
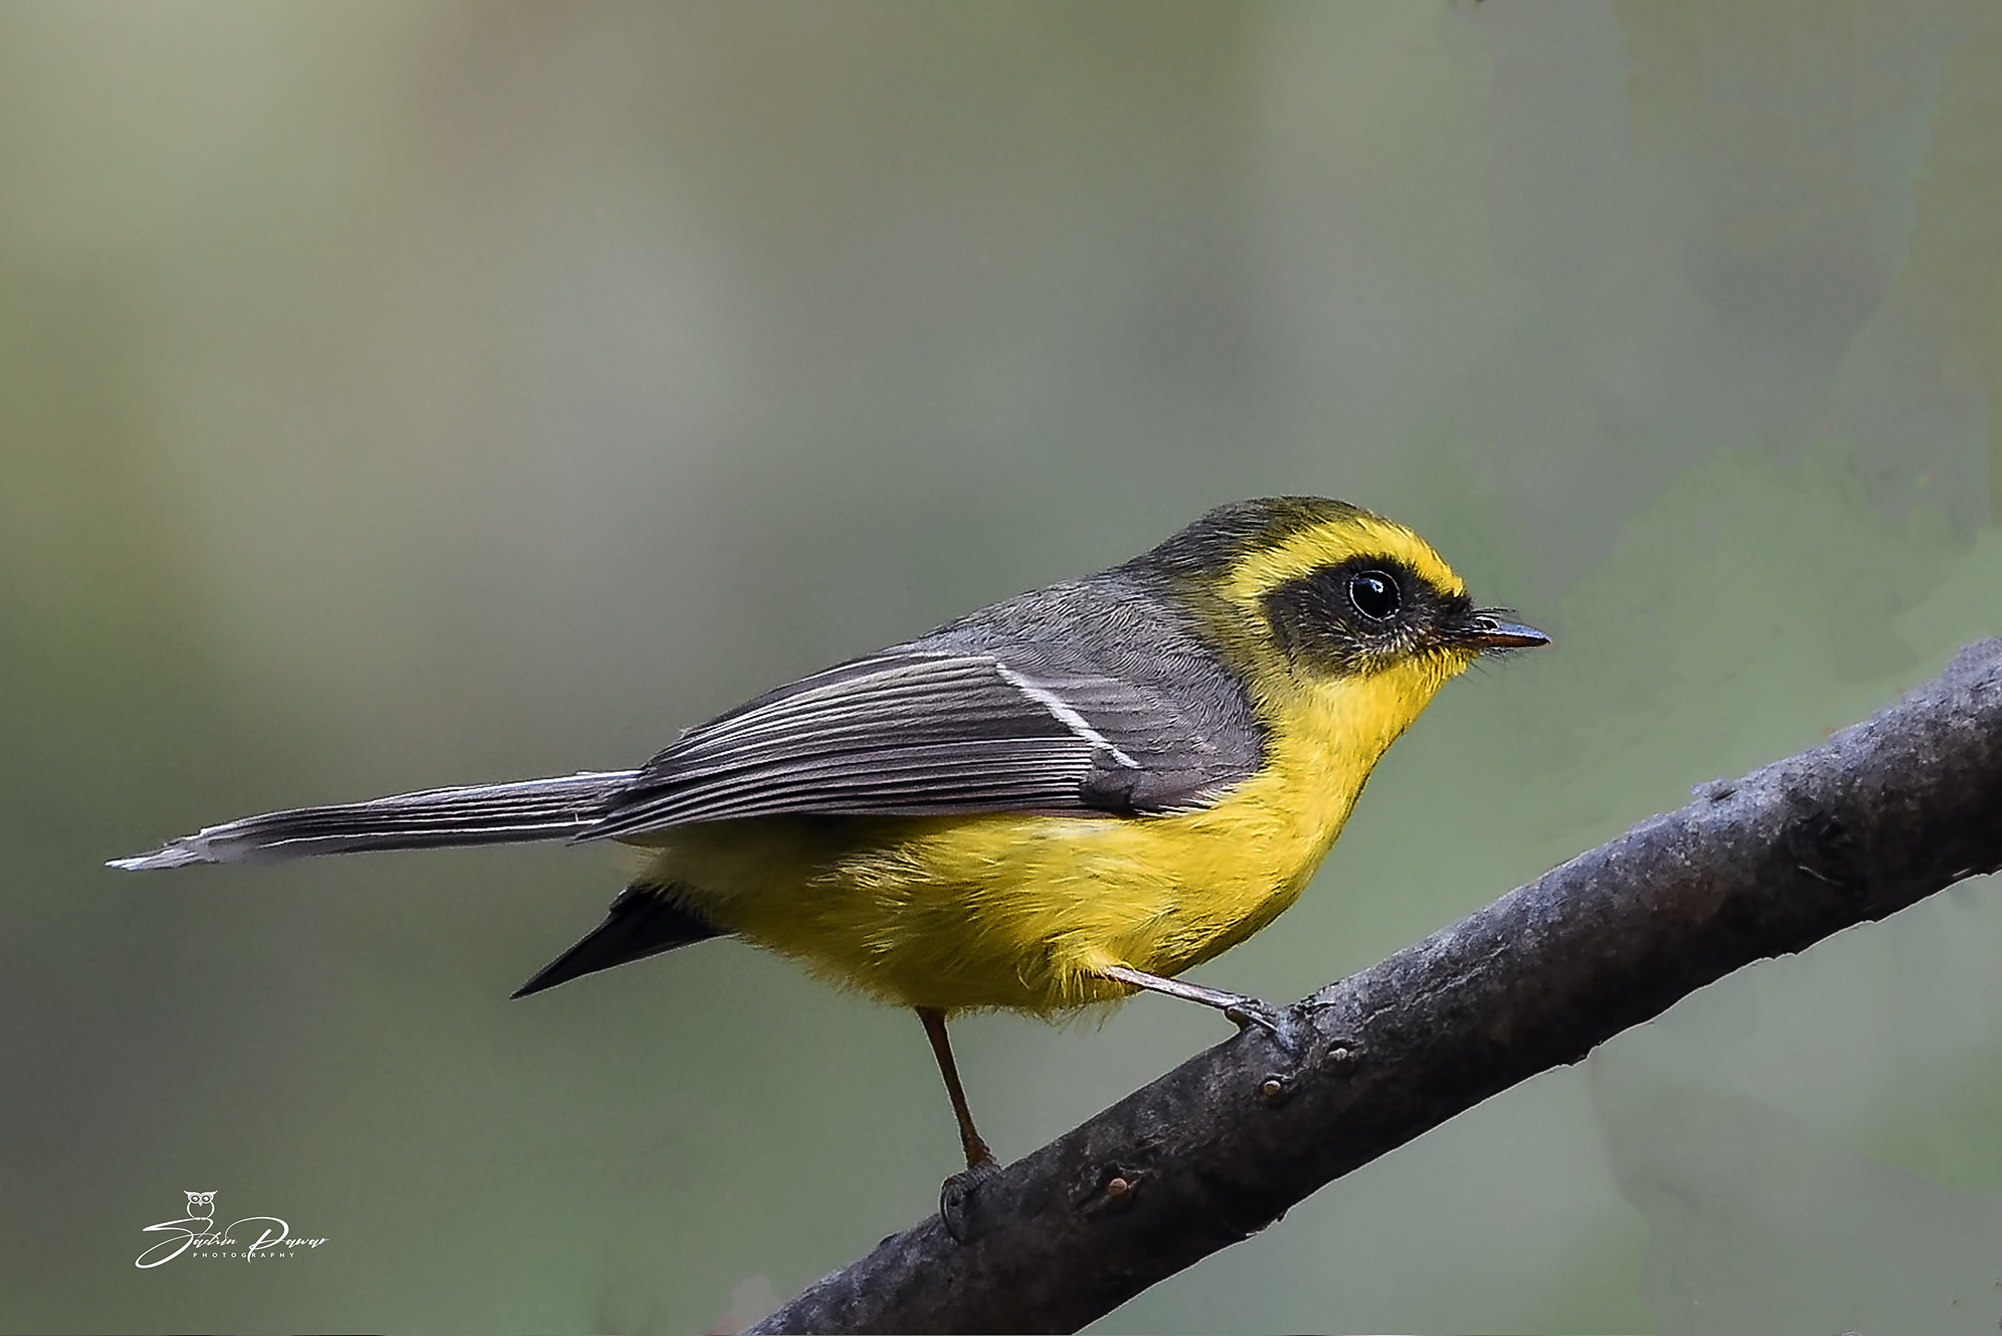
(955, 1195)
(977, 1153)
(1245, 1011)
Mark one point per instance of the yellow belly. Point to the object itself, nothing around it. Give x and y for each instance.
(1019, 911)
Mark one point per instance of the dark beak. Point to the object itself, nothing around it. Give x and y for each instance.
(1489, 632)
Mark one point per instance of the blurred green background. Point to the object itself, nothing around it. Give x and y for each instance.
(401, 394)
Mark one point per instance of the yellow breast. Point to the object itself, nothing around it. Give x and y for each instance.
(1018, 911)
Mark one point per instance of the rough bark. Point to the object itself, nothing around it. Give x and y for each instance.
(1882, 815)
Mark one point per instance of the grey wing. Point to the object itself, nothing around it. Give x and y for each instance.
(931, 733)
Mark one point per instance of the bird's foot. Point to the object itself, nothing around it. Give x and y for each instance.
(955, 1197)
(1246, 1012)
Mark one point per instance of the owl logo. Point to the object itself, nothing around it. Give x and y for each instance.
(201, 1205)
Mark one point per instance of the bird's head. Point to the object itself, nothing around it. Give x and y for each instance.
(1311, 594)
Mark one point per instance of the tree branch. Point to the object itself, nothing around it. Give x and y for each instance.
(1885, 813)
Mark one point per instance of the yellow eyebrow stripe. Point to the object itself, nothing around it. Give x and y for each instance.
(1259, 572)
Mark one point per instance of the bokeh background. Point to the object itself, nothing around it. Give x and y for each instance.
(398, 394)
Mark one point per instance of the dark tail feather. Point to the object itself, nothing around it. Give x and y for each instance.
(642, 922)
(517, 813)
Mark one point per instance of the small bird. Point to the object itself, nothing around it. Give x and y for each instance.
(1061, 799)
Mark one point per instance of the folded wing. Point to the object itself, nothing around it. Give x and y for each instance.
(924, 734)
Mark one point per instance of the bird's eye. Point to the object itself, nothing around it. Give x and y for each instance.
(1374, 594)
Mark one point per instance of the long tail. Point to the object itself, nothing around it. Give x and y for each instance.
(518, 813)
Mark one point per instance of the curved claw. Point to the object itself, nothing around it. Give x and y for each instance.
(1249, 1011)
(955, 1198)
